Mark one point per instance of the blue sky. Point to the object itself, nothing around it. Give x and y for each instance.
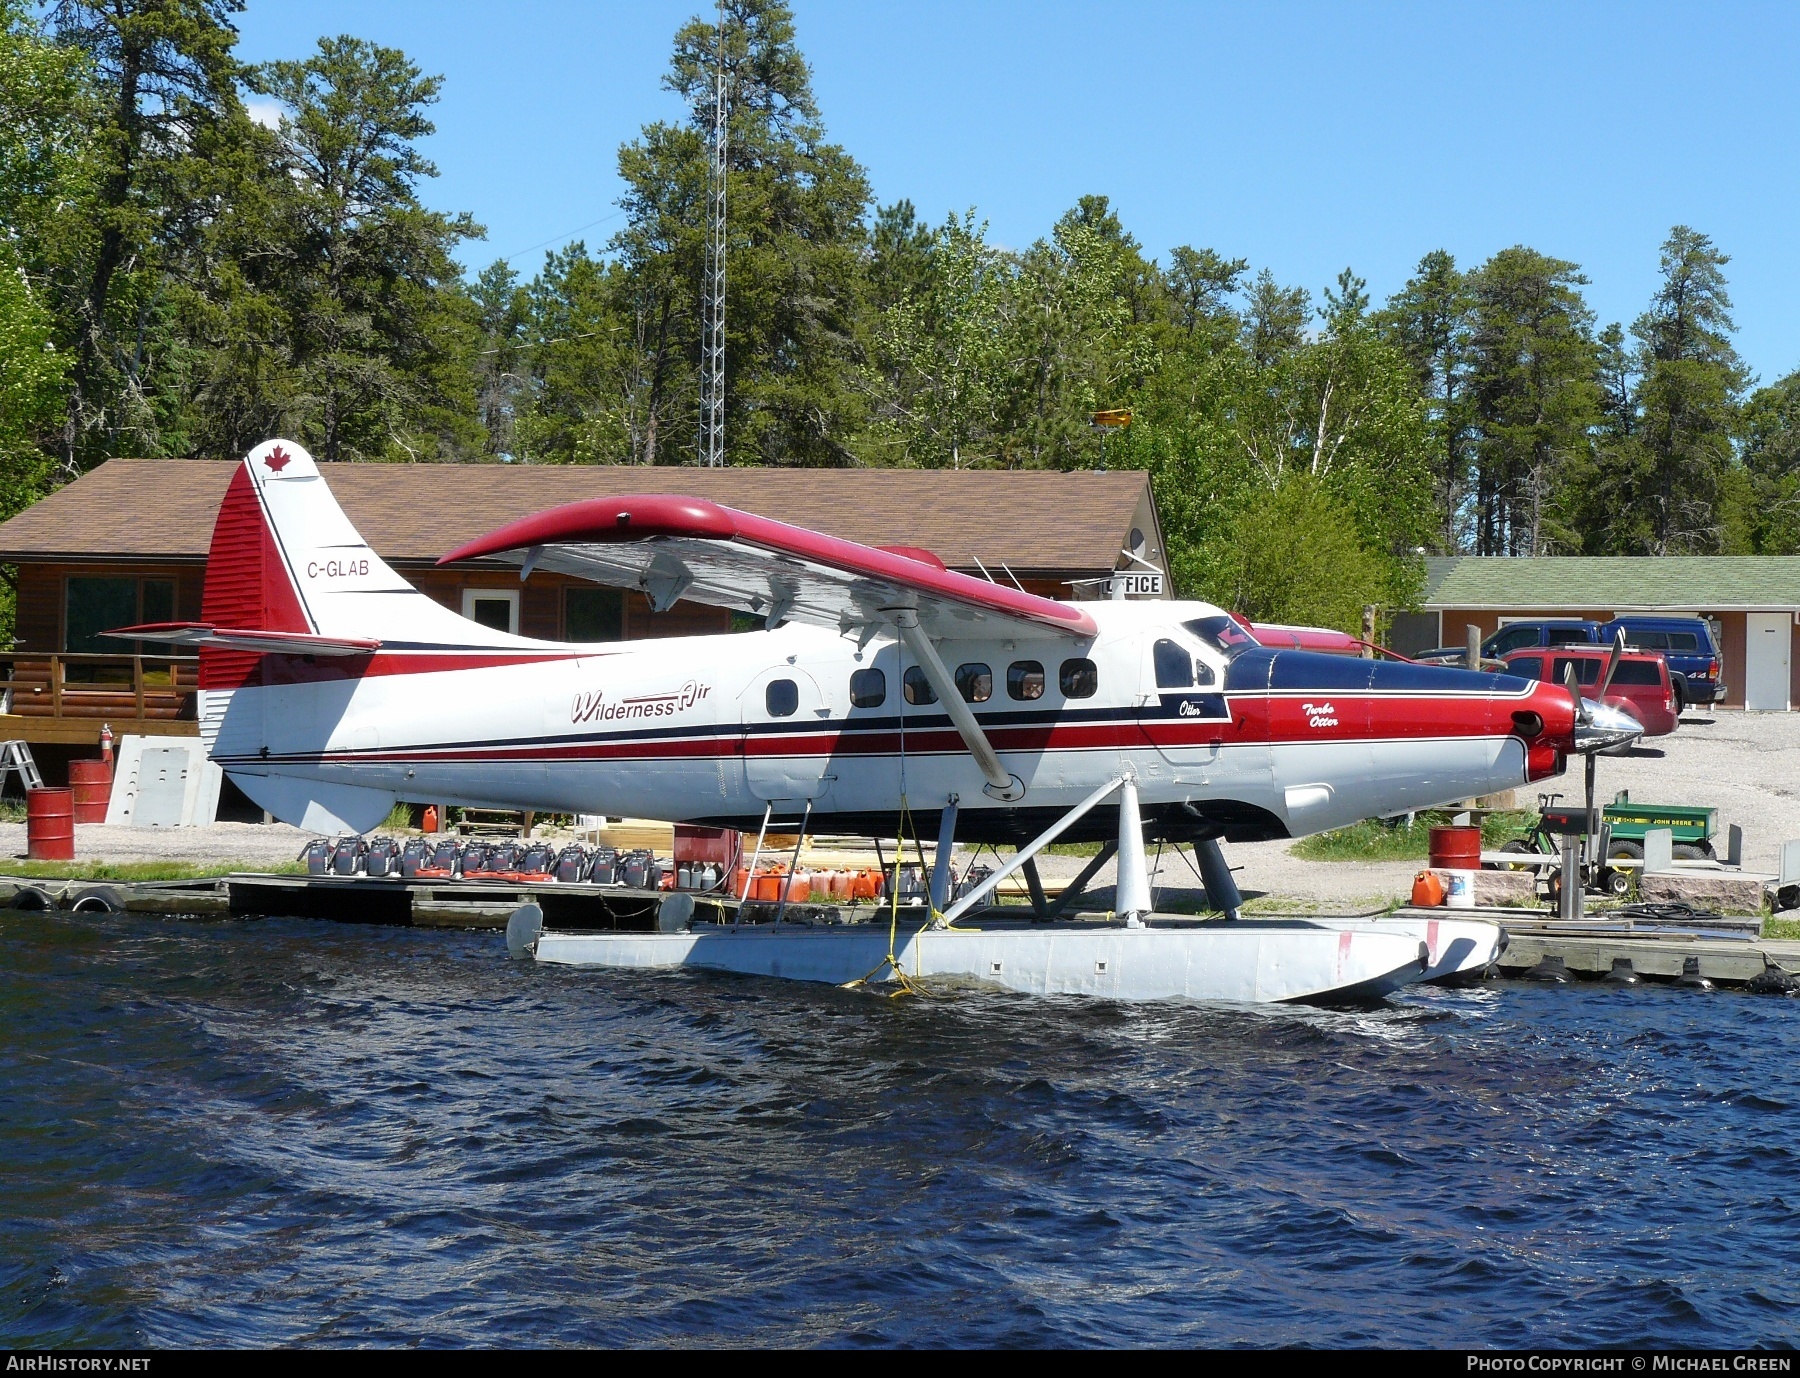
(1302, 137)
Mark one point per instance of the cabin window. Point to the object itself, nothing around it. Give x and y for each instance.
(593, 614)
(1079, 678)
(975, 682)
(868, 688)
(1203, 674)
(1174, 666)
(496, 608)
(782, 698)
(916, 687)
(1025, 680)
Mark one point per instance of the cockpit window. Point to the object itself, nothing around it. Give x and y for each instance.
(1174, 668)
(1222, 633)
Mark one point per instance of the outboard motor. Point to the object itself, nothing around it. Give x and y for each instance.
(638, 865)
(441, 864)
(503, 858)
(972, 878)
(603, 869)
(415, 854)
(317, 856)
(347, 856)
(474, 859)
(536, 863)
(572, 863)
(382, 857)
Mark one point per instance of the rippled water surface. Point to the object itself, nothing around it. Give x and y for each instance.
(297, 1132)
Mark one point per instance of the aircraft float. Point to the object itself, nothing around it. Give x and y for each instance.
(882, 693)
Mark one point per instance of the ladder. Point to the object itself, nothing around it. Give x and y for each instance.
(16, 755)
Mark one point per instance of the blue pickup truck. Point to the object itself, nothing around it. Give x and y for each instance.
(1687, 643)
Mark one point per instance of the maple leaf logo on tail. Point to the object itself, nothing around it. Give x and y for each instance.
(277, 459)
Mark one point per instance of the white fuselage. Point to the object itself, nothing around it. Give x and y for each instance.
(716, 728)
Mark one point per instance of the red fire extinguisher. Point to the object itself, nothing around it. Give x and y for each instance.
(106, 743)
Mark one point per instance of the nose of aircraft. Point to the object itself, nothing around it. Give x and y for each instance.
(1601, 725)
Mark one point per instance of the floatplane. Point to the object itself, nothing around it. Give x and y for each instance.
(883, 692)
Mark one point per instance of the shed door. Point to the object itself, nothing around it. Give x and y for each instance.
(1767, 647)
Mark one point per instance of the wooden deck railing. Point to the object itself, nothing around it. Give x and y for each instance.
(69, 685)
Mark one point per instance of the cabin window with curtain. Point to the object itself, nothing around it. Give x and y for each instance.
(975, 682)
(782, 698)
(593, 614)
(916, 687)
(1079, 678)
(868, 688)
(1174, 666)
(1025, 680)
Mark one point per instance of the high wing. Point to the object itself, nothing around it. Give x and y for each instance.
(679, 547)
(232, 639)
(673, 548)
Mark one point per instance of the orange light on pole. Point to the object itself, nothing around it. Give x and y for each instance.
(1113, 419)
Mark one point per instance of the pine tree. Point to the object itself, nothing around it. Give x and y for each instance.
(166, 107)
(1534, 397)
(1430, 321)
(1692, 383)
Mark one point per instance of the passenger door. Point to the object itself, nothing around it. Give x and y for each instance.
(787, 738)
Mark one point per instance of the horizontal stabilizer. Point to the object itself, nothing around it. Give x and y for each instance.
(235, 639)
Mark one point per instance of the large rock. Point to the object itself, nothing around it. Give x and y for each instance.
(1506, 889)
(1728, 894)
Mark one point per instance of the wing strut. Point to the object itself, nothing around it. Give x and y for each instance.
(1001, 785)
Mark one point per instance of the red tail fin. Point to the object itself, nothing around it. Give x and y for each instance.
(247, 586)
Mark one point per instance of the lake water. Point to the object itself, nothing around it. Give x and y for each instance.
(290, 1132)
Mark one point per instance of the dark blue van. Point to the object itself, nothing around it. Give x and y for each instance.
(1686, 643)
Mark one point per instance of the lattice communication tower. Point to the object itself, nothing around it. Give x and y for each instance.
(712, 284)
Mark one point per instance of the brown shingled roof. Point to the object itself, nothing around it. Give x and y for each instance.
(1030, 520)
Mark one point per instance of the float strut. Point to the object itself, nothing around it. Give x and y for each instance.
(1132, 897)
(1221, 889)
(1040, 907)
(755, 857)
(940, 867)
(1068, 897)
(787, 881)
(980, 893)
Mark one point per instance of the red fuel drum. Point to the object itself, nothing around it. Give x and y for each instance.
(91, 784)
(50, 824)
(1455, 849)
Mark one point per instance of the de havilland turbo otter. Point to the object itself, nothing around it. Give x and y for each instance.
(879, 682)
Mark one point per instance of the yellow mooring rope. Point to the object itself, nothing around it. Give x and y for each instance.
(903, 985)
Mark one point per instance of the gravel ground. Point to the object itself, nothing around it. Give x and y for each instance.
(1745, 764)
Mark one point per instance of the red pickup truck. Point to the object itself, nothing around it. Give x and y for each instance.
(1641, 685)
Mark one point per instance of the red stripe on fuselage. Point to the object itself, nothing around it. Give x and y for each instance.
(1400, 720)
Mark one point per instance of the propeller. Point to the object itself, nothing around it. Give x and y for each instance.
(1599, 725)
(1612, 664)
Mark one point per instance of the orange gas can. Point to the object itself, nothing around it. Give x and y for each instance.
(1428, 890)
